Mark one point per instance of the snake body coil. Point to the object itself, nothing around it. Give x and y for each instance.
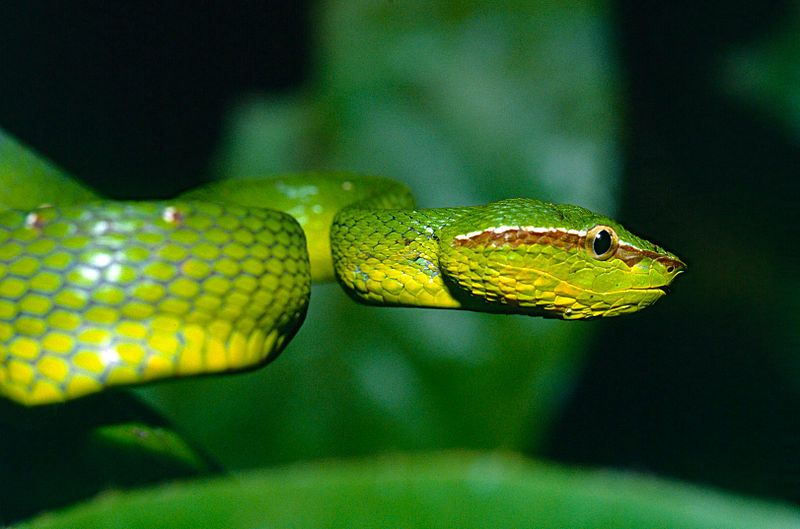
(113, 293)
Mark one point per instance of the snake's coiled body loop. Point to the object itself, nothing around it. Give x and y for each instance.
(125, 292)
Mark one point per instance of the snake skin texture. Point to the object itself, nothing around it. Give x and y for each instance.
(126, 292)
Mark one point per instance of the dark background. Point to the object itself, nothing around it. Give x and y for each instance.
(705, 396)
(127, 96)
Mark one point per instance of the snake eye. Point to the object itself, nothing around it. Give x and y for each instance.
(601, 242)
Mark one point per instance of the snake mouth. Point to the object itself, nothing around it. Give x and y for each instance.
(661, 290)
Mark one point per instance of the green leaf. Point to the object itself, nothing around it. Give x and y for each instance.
(442, 490)
(28, 180)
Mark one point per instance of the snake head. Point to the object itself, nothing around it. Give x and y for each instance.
(553, 260)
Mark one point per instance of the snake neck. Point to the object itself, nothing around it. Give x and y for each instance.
(391, 257)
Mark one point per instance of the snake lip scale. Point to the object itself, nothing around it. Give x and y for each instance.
(98, 293)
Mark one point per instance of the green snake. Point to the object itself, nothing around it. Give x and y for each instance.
(99, 293)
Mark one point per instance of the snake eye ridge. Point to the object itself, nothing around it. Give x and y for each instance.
(601, 242)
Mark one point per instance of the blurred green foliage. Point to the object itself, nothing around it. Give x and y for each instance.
(765, 72)
(453, 490)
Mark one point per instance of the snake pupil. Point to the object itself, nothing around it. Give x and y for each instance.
(602, 242)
